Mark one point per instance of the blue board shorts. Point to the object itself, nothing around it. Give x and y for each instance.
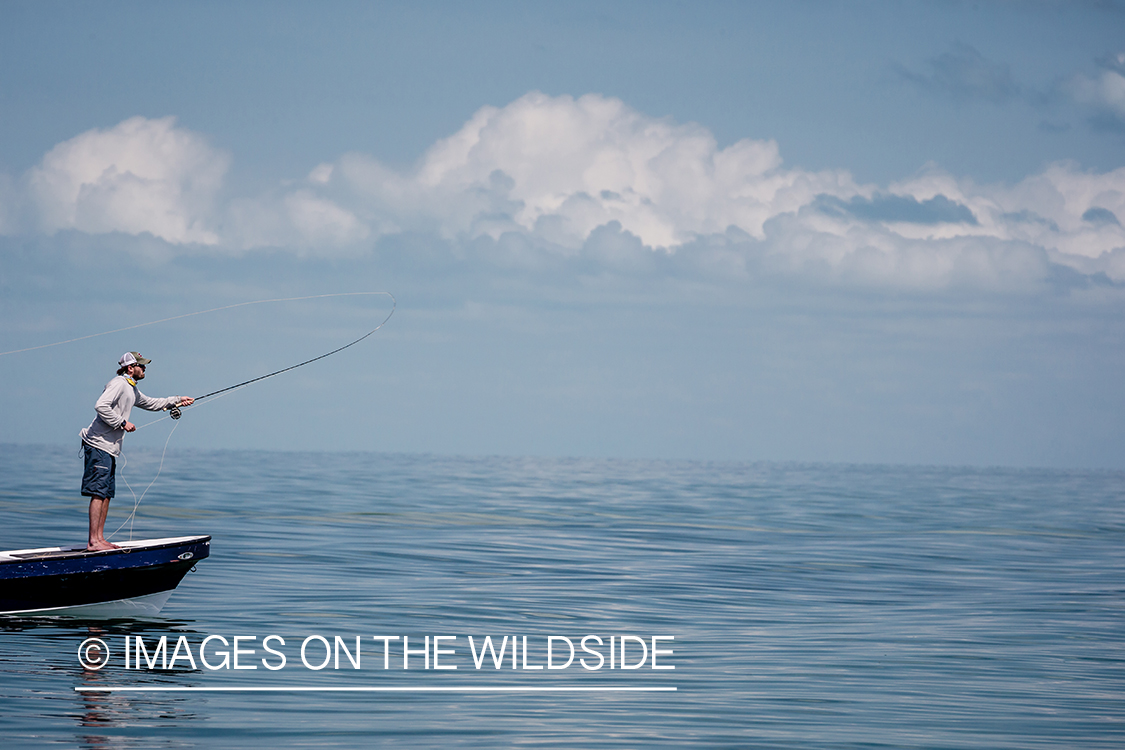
(98, 475)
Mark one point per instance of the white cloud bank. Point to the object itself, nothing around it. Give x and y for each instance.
(569, 175)
(559, 168)
(140, 176)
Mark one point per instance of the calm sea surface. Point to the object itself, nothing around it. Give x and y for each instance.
(812, 606)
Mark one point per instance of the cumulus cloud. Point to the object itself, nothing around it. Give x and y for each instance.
(1058, 202)
(556, 169)
(141, 176)
(561, 167)
(594, 181)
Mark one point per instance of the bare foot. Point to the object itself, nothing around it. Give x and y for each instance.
(101, 546)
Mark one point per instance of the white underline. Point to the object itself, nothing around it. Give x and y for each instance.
(385, 689)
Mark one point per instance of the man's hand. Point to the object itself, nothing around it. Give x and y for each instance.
(187, 401)
(130, 427)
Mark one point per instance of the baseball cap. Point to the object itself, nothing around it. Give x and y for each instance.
(132, 358)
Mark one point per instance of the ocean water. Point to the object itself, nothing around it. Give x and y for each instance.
(810, 606)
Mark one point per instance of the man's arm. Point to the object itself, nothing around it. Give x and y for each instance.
(160, 404)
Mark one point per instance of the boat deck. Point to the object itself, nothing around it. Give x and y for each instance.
(80, 551)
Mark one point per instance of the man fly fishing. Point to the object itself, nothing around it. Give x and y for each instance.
(101, 441)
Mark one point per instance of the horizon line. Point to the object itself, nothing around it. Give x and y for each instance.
(380, 689)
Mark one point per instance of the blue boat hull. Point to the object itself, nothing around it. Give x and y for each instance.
(56, 581)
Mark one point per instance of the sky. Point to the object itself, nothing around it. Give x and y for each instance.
(877, 232)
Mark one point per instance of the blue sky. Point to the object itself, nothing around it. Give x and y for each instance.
(877, 232)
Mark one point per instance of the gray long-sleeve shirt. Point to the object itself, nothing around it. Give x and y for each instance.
(113, 407)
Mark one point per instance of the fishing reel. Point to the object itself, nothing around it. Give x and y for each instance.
(174, 411)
